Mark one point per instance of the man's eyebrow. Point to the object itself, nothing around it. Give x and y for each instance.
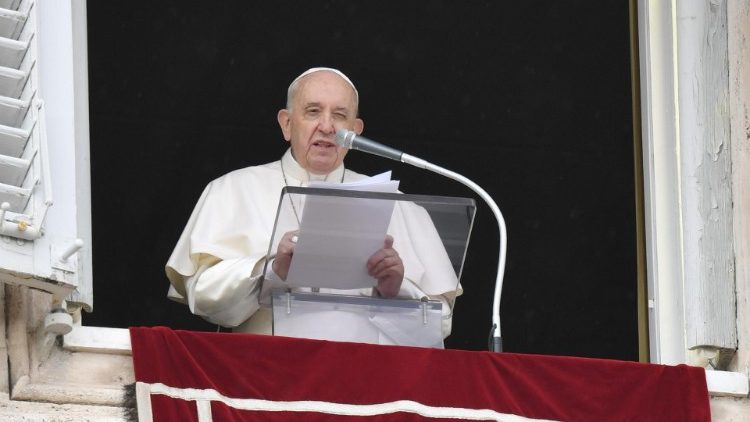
(317, 104)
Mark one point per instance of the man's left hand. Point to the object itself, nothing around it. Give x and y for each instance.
(386, 266)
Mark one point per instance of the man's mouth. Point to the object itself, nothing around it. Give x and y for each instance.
(324, 144)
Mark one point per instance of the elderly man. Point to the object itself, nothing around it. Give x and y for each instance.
(218, 261)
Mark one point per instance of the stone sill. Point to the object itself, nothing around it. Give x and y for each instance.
(729, 384)
(98, 340)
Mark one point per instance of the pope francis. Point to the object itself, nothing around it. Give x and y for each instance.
(216, 267)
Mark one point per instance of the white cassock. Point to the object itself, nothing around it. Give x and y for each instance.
(218, 262)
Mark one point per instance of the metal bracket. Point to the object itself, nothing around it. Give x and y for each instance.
(65, 258)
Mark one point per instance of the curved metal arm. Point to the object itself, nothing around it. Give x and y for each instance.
(496, 344)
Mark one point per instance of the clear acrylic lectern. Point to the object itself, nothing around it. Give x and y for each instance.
(327, 293)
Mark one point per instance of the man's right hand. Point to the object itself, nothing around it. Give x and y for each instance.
(284, 254)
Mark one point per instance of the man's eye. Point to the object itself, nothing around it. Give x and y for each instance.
(341, 116)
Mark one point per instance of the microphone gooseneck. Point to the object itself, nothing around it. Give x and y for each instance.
(348, 139)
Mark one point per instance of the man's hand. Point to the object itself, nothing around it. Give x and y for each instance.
(386, 266)
(284, 254)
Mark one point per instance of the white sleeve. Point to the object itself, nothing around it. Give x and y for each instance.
(225, 292)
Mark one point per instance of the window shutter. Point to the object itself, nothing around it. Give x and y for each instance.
(44, 210)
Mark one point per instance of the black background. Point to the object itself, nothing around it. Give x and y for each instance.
(529, 99)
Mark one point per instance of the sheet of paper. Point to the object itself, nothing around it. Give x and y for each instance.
(338, 235)
(379, 183)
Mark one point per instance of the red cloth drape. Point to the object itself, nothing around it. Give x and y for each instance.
(279, 370)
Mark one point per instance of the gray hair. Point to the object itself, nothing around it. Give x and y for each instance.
(294, 86)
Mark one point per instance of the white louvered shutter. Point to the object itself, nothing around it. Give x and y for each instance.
(44, 189)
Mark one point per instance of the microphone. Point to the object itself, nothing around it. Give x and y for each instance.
(350, 140)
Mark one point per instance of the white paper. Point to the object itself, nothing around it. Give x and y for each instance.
(338, 235)
(379, 183)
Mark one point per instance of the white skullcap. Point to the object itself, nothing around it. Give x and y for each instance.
(327, 69)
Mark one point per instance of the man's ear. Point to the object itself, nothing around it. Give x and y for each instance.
(284, 119)
(359, 126)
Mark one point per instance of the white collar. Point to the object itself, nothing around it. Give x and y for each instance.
(293, 170)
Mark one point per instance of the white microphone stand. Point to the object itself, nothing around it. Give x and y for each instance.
(351, 140)
(496, 342)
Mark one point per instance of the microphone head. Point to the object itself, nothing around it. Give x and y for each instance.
(344, 138)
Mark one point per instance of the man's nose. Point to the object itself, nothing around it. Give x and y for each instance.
(326, 123)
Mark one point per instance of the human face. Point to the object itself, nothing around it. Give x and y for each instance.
(323, 104)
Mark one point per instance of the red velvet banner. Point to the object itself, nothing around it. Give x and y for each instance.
(197, 376)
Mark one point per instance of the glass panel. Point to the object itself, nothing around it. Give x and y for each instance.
(430, 233)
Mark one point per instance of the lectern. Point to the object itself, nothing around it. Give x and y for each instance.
(328, 294)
